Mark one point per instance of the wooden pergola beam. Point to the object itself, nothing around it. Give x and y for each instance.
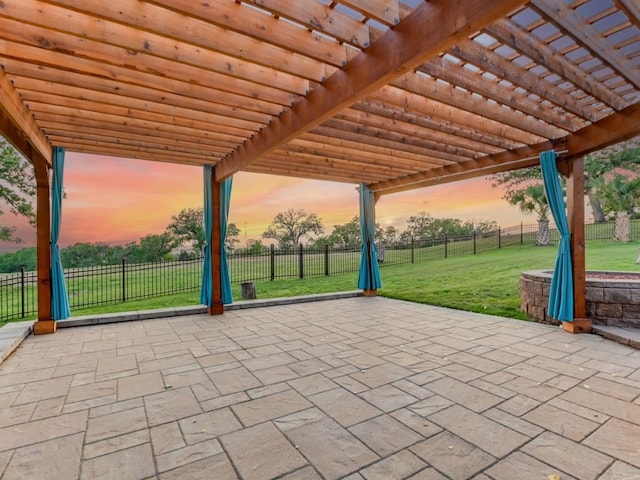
(392, 55)
(558, 11)
(18, 126)
(618, 127)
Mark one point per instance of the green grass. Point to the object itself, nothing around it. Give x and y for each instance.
(487, 282)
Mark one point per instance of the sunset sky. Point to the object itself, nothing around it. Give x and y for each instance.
(117, 201)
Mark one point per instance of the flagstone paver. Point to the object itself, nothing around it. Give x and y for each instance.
(351, 389)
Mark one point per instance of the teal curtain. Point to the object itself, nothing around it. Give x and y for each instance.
(59, 298)
(225, 200)
(369, 276)
(561, 292)
(206, 290)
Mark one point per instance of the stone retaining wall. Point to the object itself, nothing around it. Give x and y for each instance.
(610, 301)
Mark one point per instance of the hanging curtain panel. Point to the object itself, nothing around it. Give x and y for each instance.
(369, 276)
(561, 293)
(206, 290)
(225, 280)
(59, 299)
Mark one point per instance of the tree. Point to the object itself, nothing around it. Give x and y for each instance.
(288, 228)
(418, 226)
(23, 258)
(90, 255)
(151, 248)
(188, 227)
(231, 240)
(621, 156)
(619, 197)
(17, 188)
(255, 247)
(532, 199)
(597, 166)
(389, 235)
(347, 235)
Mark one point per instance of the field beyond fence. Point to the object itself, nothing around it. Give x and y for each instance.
(111, 284)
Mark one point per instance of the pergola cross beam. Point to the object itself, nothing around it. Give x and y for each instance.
(429, 29)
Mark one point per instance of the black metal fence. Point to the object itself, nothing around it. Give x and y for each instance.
(110, 284)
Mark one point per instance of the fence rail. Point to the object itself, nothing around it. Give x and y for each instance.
(124, 282)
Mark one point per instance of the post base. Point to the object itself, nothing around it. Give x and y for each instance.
(370, 293)
(216, 309)
(579, 325)
(42, 327)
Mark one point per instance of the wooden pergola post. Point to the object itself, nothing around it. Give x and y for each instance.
(575, 215)
(216, 307)
(45, 323)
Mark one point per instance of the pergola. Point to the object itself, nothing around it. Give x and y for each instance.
(394, 95)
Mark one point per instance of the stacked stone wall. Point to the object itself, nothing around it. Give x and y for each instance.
(613, 298)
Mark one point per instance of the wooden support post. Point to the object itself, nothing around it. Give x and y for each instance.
(45, 323)
(575, 215)
(216, 307)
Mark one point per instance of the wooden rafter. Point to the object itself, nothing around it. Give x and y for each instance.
(18, 125)
(396, 52)
(570, 21)
(616, 128)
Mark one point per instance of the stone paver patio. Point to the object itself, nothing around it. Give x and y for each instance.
(361, 388)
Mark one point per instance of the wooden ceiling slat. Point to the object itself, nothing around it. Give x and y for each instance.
(194, 97)
(39, 109)
(126, 138)
(322, 162)
(449, 143)
(37, 103)
(442, 124)
(256, 24)
(457, 74)
(119, 149)
(396, 52)
(384, 11)
(544, 55)
(138, 32)
(320, 17)
(45, 92)
(335, 129)
(63, 123)
(184, 81)
(393, 155)
(450, 104)
(359, 157)
(138, 154)
(332, 176)
(488, 60)
(631, 8)
(430, 148)
(558, 12)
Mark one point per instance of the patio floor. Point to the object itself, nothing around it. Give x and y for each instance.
(360, 388)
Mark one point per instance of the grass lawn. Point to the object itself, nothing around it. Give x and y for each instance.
(487, 282)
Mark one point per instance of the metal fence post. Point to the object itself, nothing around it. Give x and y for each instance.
(273, 262)
(301, 262)
(413, 250)
(521, 234)
(326, 259)
(475, 242)
(22, 290)
(124, 281)
(499, 238)
(446, 244)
